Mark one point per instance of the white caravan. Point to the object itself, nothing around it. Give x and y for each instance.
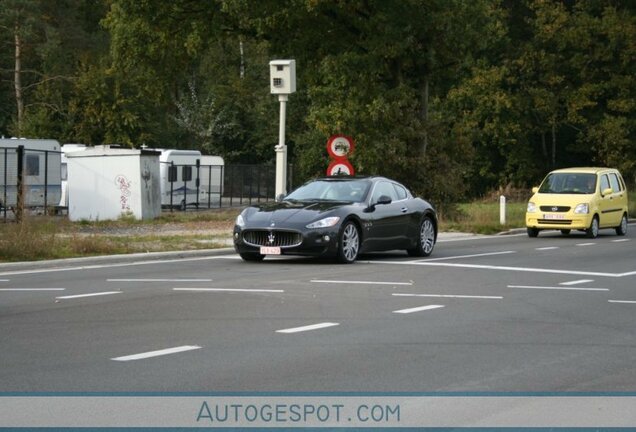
(66, 149)
(41, 171)
(179, 174)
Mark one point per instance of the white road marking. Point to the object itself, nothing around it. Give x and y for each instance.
(503, 268)
(4, 280)
(466, 256)
(620, 241)
(230, 290)
(157, 353)
(557, 288)
(32, 289)
(449, 296)
(622, 301)
(585, 244)
(159, 280)
(577, 282)
(308, 327)
(101, 266)
(547, 248)
(418, 309)
(480, 237)
(359, 282)
(88, 295)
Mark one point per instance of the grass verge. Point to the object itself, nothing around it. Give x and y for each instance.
(41, 237)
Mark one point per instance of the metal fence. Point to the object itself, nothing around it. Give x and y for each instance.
(190, 187)
(29, 179)
(40, 176)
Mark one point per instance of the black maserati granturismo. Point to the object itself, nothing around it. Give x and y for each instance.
(340, 217)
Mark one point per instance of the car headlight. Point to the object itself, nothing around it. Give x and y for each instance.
(324, 223)
(240, 221)
(531, 207)
(582, 209)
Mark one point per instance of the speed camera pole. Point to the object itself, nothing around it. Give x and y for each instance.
(281, 150)
(283, 83)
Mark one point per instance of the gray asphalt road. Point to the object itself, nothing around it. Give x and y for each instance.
(504, 313)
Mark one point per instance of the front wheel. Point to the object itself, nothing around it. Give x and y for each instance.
(349, 244)
(592, 231)
(425, 240)
(621, 230)
(532, 232)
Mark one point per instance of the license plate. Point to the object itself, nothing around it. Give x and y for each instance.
(553, 216)
(270, 250)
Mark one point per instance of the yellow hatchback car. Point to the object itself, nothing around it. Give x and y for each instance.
(585, 199)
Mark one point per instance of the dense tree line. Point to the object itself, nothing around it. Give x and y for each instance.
(453, 97)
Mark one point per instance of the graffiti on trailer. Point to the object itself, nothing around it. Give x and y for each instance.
(123, 184)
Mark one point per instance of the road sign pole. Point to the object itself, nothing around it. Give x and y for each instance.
(281, 150)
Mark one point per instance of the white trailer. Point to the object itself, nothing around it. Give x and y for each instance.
(41, 172)
(179, 175)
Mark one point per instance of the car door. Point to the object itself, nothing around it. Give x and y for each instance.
(386, 228)
(616, 201)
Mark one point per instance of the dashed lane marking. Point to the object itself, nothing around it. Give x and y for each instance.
(556, 288)
(418, 309)
(449, 296)
(87, 295)
(308, 327)
(31, 289)
(159, 280)
(359, 282)
(241, 290)
(622, 301)
(577, 282)
(157, 353)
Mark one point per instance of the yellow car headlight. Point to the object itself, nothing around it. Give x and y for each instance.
(582, 209)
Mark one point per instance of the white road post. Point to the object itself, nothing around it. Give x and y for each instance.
(281, 150)
(502, 210)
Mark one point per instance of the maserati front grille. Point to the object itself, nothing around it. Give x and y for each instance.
(272, 238)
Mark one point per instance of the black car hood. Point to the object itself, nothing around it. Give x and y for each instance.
(287, 212)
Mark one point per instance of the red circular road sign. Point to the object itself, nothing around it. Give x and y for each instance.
(340, 146)
(340, 167)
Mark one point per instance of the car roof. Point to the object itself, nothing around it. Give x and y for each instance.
(584, 170)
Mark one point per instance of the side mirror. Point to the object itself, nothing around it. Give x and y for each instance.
(607, 191)
(384, 199)
(535, 189)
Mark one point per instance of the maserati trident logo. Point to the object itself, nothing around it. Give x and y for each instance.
(271, 238)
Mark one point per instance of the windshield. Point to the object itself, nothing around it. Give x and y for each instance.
(331, 190)
(569, 183)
